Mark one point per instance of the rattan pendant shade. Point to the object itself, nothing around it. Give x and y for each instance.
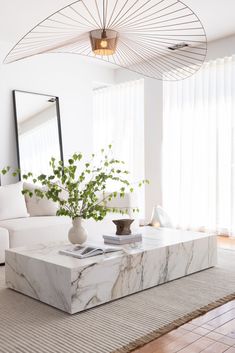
(163, 39)
(103, 42)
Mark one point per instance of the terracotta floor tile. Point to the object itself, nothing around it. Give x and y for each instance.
(178, 344)
(162, 341)
(216, 347)
(222, 319)
(207, 327)
(189, 327)
(204, 319)
(231, 350)
(197, 346)
(201, 331)
(227, 329)
(215, 336)
(227, 340)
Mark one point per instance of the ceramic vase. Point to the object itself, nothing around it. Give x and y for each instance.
(77, 234)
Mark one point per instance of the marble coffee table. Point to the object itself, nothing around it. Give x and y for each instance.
(74, 285)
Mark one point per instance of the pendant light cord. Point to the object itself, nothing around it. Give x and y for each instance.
(104, 17)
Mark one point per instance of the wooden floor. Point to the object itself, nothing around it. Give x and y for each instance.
(213, 332)
(226, 243)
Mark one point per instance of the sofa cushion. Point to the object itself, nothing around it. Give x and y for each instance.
(125, 203)
(12, 202)
(37, 206)
(4, 243)
(34, 230)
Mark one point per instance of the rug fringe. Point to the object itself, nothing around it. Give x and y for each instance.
(173, 325)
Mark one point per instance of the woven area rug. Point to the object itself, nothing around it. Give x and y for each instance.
(28, 326)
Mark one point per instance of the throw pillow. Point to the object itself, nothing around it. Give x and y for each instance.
(160, 218)
(12, 202)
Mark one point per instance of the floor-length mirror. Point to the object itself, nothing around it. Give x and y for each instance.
(38, 131)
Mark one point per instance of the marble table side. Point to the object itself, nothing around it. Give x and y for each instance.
(81, 287)
(40, 280)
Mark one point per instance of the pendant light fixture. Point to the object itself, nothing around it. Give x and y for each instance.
(103, 42)
(161, 39)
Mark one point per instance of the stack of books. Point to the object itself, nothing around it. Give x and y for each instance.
(122, 239)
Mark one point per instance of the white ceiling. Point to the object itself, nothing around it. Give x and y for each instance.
(17, 17)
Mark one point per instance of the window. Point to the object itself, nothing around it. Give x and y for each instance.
(199, 148)
(118, 115)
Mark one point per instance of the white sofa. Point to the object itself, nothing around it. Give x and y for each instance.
(4, 243)
(33, 230)
(30, 225)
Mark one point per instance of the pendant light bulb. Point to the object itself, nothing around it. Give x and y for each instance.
(104, 42)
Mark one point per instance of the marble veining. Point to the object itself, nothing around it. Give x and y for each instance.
(74, 285)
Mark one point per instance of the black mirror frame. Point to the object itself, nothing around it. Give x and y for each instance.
(16, 125)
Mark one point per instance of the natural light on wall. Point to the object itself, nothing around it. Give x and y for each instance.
(199, 149)
(118, 115)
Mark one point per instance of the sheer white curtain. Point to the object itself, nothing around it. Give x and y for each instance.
(118, 115)
(199, 148)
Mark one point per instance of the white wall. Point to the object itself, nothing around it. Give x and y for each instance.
(70, 77)
(154, 117)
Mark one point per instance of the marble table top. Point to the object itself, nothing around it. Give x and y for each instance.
(153, 238)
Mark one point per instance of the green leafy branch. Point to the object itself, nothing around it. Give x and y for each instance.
(80, 188)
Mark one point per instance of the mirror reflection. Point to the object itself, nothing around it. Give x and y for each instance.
(38, 130)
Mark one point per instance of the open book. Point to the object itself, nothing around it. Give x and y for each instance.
(82, 252)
